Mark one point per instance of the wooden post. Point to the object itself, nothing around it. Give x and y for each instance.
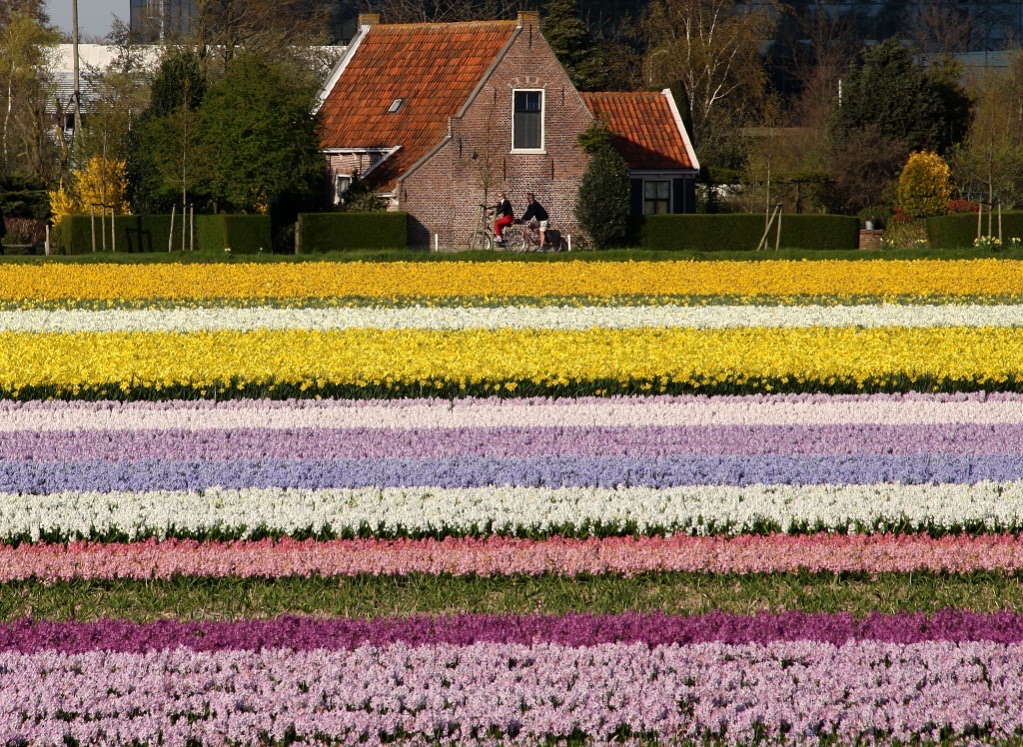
(113, 231)
(92, 223)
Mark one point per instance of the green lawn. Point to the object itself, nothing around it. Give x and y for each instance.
(373, 596)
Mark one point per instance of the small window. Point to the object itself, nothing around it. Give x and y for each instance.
(395, 106)
(656, 197)
(527, 125)
(341, 184)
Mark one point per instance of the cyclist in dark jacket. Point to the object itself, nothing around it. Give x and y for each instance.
(536, 214)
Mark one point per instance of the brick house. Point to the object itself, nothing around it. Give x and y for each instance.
(439, 117)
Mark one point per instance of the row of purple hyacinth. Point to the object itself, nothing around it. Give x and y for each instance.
(510, 442)
(797, 693)
(574, 629)
(471, 471)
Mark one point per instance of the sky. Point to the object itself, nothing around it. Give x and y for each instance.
(94, 16)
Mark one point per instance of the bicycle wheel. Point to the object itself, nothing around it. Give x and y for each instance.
(516, 240)
(481, 240)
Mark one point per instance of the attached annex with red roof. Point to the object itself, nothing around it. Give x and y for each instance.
(647, 129)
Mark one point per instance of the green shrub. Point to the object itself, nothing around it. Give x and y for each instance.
(960, 230)
(339, 232)
(743, 232)
(132, 234)
(925, 185)
(151, 233)
(602, 206)
(239, 234)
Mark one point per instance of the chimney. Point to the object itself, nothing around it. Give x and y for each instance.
(369, 19)
(529, 18)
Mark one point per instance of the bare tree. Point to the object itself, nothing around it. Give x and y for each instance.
(275, 28)
(941, 28)
(709, 49)
(442, 11)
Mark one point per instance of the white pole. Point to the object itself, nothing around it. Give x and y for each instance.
(170, 237)
(113, 231)
(47, 239)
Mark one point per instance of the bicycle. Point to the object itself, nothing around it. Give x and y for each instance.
(525, 237)
(483, 235)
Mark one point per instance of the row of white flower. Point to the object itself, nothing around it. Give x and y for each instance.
(250, 513)
(510, 317)
(793, 410)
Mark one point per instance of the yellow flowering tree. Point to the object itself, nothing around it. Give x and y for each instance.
(925, 185)
(102, 184)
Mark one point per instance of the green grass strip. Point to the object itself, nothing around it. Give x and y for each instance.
(189, 598)
(455, 302)
(614, 255)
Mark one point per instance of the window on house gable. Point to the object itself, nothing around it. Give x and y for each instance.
(656, 197)
(527, 123)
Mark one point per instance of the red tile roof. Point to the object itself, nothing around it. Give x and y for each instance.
(644, 129)
(434, 67)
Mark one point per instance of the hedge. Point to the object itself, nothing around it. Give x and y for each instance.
(150, 233)
(339, 232)
(742, 232)
(959, 231)
(239, 234)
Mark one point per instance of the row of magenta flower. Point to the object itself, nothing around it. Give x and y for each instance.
(794, 678)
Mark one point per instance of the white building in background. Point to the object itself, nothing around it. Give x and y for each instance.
(157, 20)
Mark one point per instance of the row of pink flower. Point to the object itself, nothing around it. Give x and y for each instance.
(806, 409)
(28, 636)
(488, 693)
(496, 556)
(509, 442)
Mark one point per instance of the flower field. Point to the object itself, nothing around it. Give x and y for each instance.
(511, 503)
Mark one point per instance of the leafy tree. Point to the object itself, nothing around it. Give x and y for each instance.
(891, 106)
(990, 159)
(33, 8)
(258, 121)
(860, 171)
(925, 185)
(925, 109)
(165, 163)
(27, 48)
(584, 61)
(707, 51)
(602, 205)
(119, 94)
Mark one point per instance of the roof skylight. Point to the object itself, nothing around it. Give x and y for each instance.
(395, 106)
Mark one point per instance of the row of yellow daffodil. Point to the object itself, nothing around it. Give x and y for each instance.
(526, 361)
(27, 285)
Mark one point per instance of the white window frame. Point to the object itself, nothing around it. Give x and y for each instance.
(338, 192)
(543, 121)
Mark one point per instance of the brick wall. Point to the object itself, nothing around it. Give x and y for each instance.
(443, 194)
